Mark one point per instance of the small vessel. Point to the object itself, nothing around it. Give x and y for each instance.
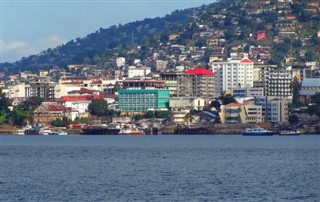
(61, 132)
(289, 132)
(19, 132)
(46, 132)
(257, 132)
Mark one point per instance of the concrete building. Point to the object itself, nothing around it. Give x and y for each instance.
(43, 89)
(247, 92)
(278, 82)
(171, 82)
(309, 87)
(233, 74)
(274, 109)
(197, 82)
(143, 100)
(138, 71)
(235, 113)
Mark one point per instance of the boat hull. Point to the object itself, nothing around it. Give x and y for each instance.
(258, 134)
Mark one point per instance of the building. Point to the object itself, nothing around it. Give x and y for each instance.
(197, 82)
(235, 113)
(278, 82)
(247, 92)
(77, 103)
(138, 71)
(274, 109)
(44, 90)
(309, 87)
(233, 74)
(170, 82)
(48, 112)
(134, 100)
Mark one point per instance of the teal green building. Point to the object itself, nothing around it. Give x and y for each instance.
(133, 100)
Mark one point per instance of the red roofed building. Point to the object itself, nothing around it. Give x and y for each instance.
(49, 111)
(261, 35)
(197, 82)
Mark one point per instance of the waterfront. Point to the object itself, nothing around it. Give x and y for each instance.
(159, 168)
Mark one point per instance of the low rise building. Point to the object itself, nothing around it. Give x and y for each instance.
(235, 113)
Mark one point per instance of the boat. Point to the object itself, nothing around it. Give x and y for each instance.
(46, 132)
(289, 132)
(100, 130)
(19, 132)
(61, 132)
(257, 132)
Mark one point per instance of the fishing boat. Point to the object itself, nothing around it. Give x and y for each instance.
(257, 132)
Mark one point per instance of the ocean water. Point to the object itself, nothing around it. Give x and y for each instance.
(159, 168)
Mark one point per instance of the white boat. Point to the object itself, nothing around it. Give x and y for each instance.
(45, 132)
(61, 132)
(257, 132)
(20, 132)
(289, 132)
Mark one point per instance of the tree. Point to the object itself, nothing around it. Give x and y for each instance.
(57, 122)
(293, 119)
(32, 103)
(227, 99)
(98, 107)
(216, 104)
(162, 114)
(314, 108)
(295, 88)
(149, 115)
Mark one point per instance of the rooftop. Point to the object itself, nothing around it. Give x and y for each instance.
(199, 71)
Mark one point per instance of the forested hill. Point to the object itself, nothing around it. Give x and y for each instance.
(271, 31)
(102, 41)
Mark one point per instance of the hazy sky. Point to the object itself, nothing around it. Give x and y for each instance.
(30, 26)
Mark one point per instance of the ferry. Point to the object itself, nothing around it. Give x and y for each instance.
(257, 132)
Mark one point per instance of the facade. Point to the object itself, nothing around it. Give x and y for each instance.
(309, 87)
(233, 74)
(133, 100)
(77, 103)
(44, 90)
(274, 109)
(197, 82)
(235, 113)
(171, 82)
(138, 71)
(186, 103)
(47, 112)
(247, 92)
(278, 82)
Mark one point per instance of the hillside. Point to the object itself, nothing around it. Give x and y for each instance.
(271, 31)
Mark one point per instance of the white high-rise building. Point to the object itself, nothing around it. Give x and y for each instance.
(233, 74)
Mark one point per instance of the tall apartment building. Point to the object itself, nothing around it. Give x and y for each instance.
(42, 89)
(197, 82)
(278, 82)
(233, 74)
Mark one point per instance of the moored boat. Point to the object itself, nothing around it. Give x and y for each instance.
(289, 132)
(257, 132)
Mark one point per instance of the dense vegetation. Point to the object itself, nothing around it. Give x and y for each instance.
(239, 28)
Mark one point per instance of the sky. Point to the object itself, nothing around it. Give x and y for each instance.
(31, 26)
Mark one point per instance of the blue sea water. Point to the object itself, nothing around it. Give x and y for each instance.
(159, 168)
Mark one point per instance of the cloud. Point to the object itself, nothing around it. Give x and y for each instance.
(51, 41)
(15, 50)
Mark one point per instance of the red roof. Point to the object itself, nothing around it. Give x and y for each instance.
(234, 105)
(199, 71)
(245, 60)
(56, 108)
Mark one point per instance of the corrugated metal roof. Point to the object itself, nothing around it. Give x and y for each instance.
(311, 82)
